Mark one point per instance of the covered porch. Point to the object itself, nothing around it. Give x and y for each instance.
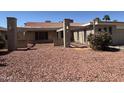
(67, 36)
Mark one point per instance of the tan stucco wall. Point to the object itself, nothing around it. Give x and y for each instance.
(58, 42)
(21, 36)
(81, 36)
(75, 37)
(51, 35)
(3, 33)
(21, 40)
(30, 36)
(118, 37)
(21, 43)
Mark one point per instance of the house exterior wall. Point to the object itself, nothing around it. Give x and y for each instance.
(30, 36)
(21, 36)
(21, 40)
(81, 39)
(3, 34)
(118, 37)
(51, 36)
(58, 39)
(75, 37)
(78, 36)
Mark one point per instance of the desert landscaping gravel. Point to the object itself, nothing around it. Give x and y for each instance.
(48, 63)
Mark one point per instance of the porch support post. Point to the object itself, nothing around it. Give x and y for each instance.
(12, 33)
(66, 32)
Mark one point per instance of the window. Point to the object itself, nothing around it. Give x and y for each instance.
(110, 30)
(36, 35)
(41, 35)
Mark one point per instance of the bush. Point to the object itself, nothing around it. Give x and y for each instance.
(100, 40)
(2, 42)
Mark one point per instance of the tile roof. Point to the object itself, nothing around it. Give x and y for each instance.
(47, 25)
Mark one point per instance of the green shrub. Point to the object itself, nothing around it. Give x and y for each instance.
(2, 42)
(99, 40)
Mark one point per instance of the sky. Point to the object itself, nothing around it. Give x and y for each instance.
(55, 16)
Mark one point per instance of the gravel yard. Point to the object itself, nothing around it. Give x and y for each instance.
(48, 63)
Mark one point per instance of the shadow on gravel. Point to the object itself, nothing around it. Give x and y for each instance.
(30, 47)
(26, 49)
(4, 53)
(3, 64)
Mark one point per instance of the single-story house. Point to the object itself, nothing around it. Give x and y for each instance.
(46, 31)
(62, 33)
(43, 32)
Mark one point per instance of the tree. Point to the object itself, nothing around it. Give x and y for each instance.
(100, 40)
(106, 18)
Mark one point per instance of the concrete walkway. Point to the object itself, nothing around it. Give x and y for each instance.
(121, 47)
(77, 45)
